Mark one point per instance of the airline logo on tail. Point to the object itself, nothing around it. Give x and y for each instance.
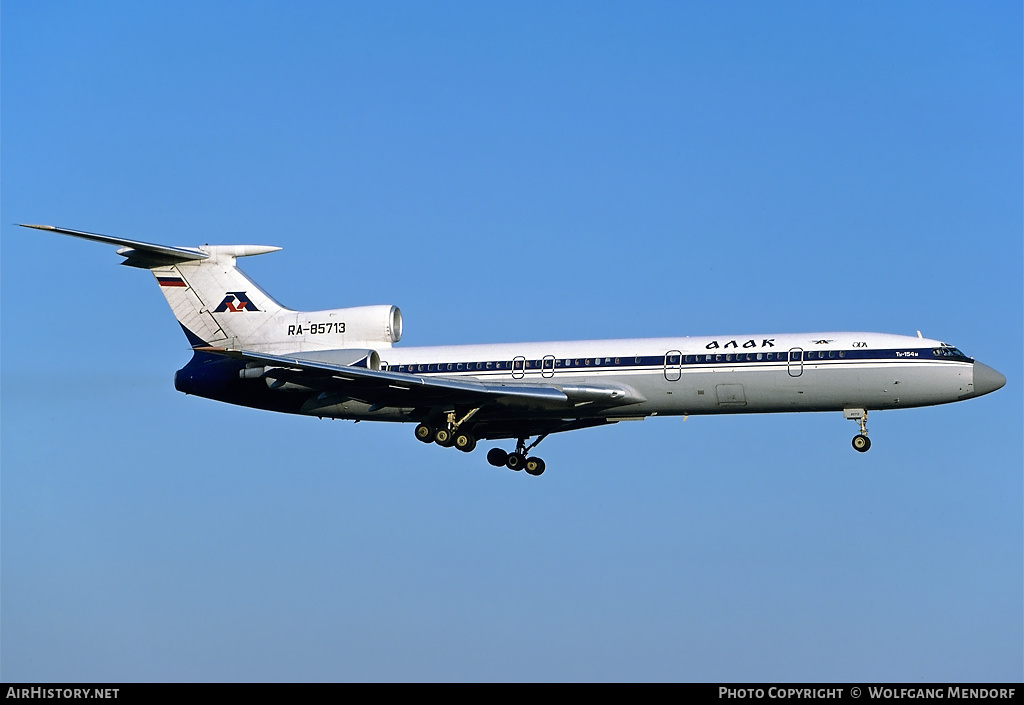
(234, 302)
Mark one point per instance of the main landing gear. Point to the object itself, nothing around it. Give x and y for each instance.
(518, 460)
(453, 435)
(446, 437)
(861, 442)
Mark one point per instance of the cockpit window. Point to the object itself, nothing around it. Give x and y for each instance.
(948, 351)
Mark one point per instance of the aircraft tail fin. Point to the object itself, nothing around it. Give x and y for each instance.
(197, 289)
(199, 282)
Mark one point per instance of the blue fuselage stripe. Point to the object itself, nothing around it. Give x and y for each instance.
(681, 361)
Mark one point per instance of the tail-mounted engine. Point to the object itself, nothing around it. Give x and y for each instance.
(361, 326)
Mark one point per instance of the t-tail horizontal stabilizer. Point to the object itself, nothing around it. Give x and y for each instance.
(137, 252)
(148, 255)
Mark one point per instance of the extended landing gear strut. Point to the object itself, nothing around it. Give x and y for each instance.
(447, 436)
(450, 433)
(454, 433)
(518, 460)
(861, 442)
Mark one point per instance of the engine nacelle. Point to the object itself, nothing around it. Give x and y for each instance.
(357, 327)
(356, 357)
(373, 323)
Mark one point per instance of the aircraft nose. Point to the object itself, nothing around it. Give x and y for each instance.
(986, 379)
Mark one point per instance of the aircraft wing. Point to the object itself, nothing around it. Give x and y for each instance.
(399, 389)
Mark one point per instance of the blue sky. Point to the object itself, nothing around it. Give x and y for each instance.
(503, 172)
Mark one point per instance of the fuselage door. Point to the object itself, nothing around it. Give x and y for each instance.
(796, 362)
(518, 367)
(673, 365)
(547, 366)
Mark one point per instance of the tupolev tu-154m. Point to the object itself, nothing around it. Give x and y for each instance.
(340, 363)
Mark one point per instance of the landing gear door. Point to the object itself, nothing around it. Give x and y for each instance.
(796, 362)
(673, 365)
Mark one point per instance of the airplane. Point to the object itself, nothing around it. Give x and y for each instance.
(341, 363)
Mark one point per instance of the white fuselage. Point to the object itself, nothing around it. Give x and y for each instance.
(712, 375)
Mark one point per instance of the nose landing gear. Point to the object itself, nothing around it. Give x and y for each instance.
(861, 442)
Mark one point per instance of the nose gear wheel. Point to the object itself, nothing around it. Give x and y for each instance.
(861, 442)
